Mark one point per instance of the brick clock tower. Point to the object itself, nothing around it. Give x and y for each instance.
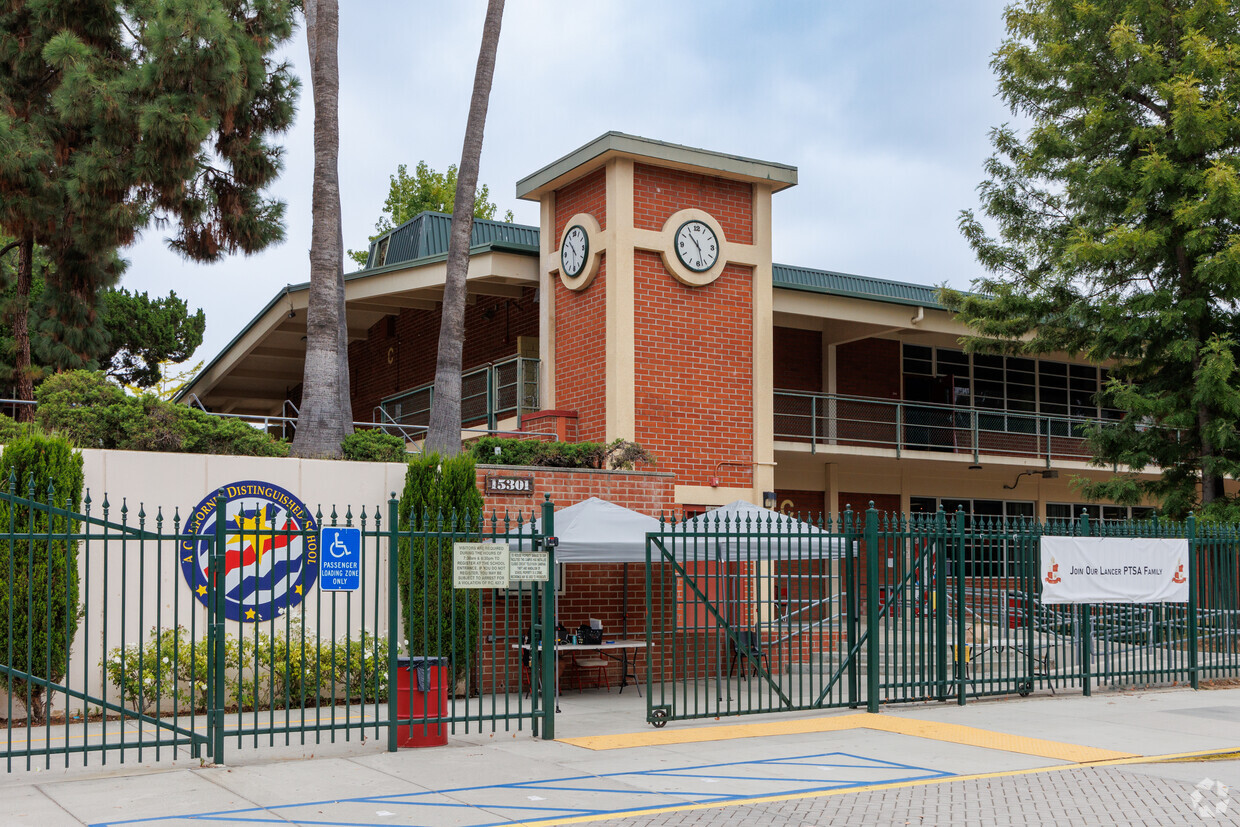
(656, 306)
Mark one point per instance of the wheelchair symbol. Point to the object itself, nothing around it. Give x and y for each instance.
(336, 543)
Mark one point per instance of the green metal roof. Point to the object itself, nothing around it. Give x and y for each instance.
(862, 287)
(426, 235)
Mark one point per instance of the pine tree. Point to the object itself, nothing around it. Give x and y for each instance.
(114, 115)
(1117, 211)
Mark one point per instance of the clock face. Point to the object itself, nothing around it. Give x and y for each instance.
(574, 251)
(696, 246)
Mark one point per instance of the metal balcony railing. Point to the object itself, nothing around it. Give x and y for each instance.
(823, 419)
(488, 393)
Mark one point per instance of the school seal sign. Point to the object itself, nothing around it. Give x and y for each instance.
(271, 551)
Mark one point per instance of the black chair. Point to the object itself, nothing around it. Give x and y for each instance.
(748, 645)
(525, 663)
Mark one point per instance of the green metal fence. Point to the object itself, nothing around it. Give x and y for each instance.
(760, 614)
(208, 634)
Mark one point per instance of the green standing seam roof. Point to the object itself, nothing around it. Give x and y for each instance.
(426, 234)
(863, 287)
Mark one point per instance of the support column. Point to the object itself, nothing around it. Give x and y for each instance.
(621, 414)
(763, 347)
(550, 261)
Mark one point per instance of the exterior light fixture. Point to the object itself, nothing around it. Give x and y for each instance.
(768, 500)
(1046, 474)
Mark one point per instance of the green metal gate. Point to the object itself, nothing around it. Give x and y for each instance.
(760, 614)
(137, 660)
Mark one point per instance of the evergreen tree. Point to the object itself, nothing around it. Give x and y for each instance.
(119, 113)
(39, 603)
(1116, 211)
(440, 500)
(132, 336)
(145, 334)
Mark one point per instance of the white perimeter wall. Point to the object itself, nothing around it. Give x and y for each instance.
(143, 581)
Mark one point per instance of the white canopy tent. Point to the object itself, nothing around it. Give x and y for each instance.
(744, 531)
(596, 531)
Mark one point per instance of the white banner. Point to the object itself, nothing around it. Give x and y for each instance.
(1114, 570)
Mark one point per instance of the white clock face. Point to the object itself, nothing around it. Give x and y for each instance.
(574, 250)
(696, 246)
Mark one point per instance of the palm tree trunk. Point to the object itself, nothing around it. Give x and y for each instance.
(320, 420)
(23, 371)
(343, 386)
(444, 435)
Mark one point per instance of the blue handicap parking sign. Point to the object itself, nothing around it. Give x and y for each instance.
(341, 566)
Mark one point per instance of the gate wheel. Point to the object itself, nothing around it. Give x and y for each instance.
(1024, 688)
(660, 716)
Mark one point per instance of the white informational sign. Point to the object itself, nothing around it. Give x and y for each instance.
(1114, 570)
(479, 565)
(528, 565)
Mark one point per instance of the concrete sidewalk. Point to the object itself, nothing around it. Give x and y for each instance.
(1010, 761)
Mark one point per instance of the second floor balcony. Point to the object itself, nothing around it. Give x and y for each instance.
(825, 421)
(489, 394)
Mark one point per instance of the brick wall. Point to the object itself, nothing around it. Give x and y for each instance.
(383, 364)
(658, 193)
(581, 354)
(581, 319)
(588, 195)
(798, 359)
(870, 367)
(648, 491)
(694, 363)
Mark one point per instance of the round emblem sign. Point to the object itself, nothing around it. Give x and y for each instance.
(271, 551)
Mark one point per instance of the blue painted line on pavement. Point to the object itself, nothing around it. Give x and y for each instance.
(847, 763)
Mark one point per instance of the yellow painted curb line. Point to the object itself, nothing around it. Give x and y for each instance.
(951, 733)
(770, 799)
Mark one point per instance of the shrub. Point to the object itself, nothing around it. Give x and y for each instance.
(11, 430)
(439, 494)
(166, 667)
(618, 454)
(373, 446)
(39, 609)
(280, 671)
(94, 413)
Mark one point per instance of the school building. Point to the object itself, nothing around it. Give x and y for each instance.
(647, 305)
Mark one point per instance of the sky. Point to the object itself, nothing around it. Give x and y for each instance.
(884, 108)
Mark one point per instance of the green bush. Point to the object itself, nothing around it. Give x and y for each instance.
(39, 608)
(95, 413)
(618, 454)
(166, 667)
(11, 430)
(439, 621)
(373, 446)
(280, 671)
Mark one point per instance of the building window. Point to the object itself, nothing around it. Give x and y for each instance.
(988, 547)
(1010, 392)
(1105, 513)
